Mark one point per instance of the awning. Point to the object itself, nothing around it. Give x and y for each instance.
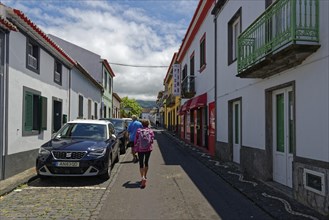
(184, 107)
(198, 101)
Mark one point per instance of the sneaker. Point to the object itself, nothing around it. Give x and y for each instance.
(143, 183)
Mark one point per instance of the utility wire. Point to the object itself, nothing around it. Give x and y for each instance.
(138, 66)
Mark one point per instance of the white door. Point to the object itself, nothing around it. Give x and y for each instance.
(283, 135)
(236, 131)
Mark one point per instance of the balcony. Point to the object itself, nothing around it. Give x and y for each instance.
(188, 87)
(281, 38)
(170, 101)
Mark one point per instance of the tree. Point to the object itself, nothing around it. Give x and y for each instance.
(130, 107)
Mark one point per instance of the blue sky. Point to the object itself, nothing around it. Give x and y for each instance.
(134, 32)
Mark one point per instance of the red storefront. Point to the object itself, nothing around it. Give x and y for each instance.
(194, 122)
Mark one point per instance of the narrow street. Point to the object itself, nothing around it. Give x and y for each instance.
(178, 187)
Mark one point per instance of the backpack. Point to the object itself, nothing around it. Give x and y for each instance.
(144, 140)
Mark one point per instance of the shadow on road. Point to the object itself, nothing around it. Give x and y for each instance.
(131, 185)
(66, 182)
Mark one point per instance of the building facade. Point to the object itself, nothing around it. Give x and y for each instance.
(195, 57)
(99, 68)
(271, 71)
(36, 92)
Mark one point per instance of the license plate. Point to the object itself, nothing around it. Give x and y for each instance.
(67, 164)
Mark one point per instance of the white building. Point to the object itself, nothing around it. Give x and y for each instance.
(37, 92)
(197, 74)
(272, 93)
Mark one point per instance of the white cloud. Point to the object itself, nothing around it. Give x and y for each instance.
(118, 33)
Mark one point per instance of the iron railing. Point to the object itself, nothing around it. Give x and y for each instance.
(283, 23)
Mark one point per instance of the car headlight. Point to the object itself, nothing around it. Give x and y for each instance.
(98, 152)
(43, 152)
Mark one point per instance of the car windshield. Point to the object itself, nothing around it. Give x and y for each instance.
(83, 131)
(118, 124)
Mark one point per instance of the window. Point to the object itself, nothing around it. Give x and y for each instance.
(105, 80)
(34, 112)
(111, 129)
(89, 109)
(184, 72)
(192, 64)
(32, 56)
(104, 115)
(203, 52)
(110, 84)
(314, 181)
(80, 113)
(58, 73)
(234, 30)
(95, 109)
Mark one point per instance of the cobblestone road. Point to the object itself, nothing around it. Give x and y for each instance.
(57, 198)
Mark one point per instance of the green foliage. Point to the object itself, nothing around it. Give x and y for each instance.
(130, 107)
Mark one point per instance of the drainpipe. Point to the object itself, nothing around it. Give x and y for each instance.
(70, 87)
(215, 77)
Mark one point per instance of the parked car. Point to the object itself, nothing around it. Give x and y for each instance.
(80, 148)
(128, 120)
(120, 126)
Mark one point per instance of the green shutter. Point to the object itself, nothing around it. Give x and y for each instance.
(43, 105)
(28, 111)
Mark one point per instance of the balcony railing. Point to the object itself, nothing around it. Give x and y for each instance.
(188, 87)
(288, 28)
(170, 101)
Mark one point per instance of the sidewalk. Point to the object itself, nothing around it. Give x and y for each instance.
(272, 200)
(13, 182)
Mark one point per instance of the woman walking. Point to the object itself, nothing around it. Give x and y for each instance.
(143, 146)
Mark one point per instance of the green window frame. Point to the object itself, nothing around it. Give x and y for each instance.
(34, 112)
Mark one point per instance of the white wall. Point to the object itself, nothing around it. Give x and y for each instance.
(312, 90)
(231, 87)
(80, 85)
(204, 81)
(20, 76)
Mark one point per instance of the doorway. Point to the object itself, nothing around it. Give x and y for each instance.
(283, 135)
(57, 115)
(236, 130)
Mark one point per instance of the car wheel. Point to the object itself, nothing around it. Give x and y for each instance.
(107, 174)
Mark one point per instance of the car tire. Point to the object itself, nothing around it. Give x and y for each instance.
(107, 174)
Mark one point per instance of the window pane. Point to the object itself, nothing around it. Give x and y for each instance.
(291, 123)
(280, 123)
(28, 117)
(236, 124)
(80, 114)
(44, 113)
(36, 112)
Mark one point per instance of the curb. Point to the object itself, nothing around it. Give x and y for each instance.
(10, 184)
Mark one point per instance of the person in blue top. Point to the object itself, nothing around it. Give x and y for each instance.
(132, 129)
